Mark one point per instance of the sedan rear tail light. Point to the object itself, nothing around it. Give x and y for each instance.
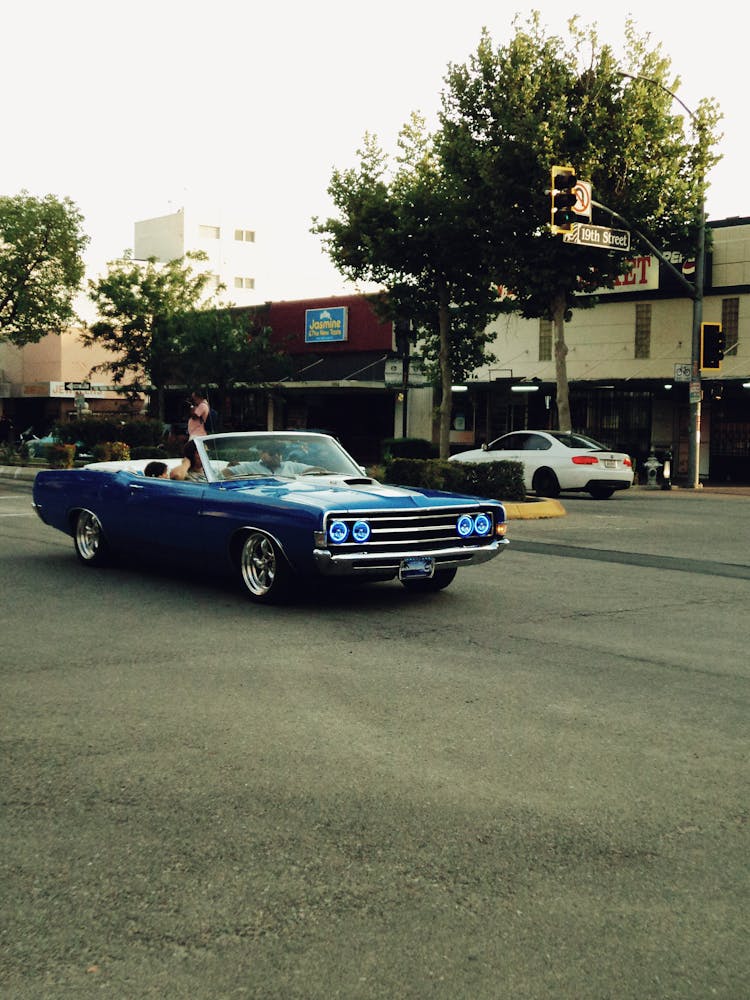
(626, 461)
(585, 460)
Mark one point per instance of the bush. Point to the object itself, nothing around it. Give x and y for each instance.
(9, 455)
(112, 451)
(495, 480)
(91, 431)
(60, 456)
(408, 448)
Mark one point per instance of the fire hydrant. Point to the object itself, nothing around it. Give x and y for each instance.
(652, 466)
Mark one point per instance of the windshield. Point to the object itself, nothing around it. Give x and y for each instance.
(278, 453)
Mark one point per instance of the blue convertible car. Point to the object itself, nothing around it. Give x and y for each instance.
(275, 508)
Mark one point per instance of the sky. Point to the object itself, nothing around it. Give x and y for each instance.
(136, 109)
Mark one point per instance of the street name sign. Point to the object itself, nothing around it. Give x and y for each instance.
(587, 235)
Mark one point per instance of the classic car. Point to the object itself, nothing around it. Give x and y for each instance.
(275, 508)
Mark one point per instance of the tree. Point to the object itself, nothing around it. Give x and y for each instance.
(513, 112)
(412, 232)
(141, 305)
(222, 347)
(41, 265)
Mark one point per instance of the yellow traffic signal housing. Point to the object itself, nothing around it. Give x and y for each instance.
(562, 217)
(713, 343)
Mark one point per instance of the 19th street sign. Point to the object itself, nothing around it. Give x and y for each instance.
(587, 235)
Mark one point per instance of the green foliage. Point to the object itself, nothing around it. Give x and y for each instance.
(496, 480)
(112, 451)
(9, 455)
(41, 265)
(222, 348)
(141, 306)
(409, 230)
(91, 431)
(408, 448)
(60, 456)
(512, 112)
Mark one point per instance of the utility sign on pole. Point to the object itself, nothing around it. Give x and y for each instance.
(582, 207)
(598, 236)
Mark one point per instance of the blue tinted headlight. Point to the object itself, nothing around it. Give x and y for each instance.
(337, 532)
(465, 525)
(482, 524)
(361, 531)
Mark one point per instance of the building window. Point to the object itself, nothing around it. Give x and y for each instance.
(244, 235)
(730, 321)
(643, 330)
(244, 282)
(545, 339)
(209, 232)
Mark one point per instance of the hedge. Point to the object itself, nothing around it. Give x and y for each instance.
(496, 480)
(92, 431)
(408, 448)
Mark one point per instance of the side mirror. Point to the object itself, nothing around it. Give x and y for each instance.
(484, 446)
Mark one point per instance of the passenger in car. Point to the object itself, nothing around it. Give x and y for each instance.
(157, 470)
(190, 468)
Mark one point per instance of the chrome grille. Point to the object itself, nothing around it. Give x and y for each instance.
(431, 529)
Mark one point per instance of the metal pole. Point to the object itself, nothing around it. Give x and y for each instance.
(694, 444)
(694, 456)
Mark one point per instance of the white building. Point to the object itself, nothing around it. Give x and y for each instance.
(228, 244)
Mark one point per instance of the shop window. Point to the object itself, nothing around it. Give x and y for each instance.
(643, 330)
(730, 321)
(545, 340)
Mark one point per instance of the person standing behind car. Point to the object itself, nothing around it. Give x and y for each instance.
(199, 412)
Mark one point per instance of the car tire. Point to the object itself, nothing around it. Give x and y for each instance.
(545, 484)
(263, 569)
(601, 492)
(439, 580)
(91, 546)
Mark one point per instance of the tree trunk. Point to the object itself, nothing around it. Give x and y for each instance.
(446, 375)
(561, 366)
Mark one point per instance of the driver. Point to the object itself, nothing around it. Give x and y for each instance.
(270, 463)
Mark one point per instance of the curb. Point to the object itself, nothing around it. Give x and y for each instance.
(22, 472)
(533, 508)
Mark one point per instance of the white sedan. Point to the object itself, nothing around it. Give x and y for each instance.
(555, 460)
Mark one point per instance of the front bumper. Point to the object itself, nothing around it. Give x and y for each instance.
(329, 563)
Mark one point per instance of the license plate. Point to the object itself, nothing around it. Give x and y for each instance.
(416, 567)
(610, 463)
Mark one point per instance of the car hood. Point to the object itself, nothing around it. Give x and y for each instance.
(350, 492)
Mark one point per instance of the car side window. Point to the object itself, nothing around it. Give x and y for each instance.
(508, 443)
(535, 442)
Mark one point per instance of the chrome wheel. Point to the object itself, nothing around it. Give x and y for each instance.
(263, 569)
(90, 543)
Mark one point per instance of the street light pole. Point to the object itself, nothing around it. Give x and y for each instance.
(695, 390)
(694, 444)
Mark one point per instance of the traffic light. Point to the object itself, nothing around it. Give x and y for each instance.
(713, 343)
(563, 199)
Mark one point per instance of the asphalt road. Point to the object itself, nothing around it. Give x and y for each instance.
(531, 785)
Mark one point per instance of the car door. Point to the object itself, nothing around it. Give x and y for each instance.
(163, 516)
(508, 448)
(534, 452)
